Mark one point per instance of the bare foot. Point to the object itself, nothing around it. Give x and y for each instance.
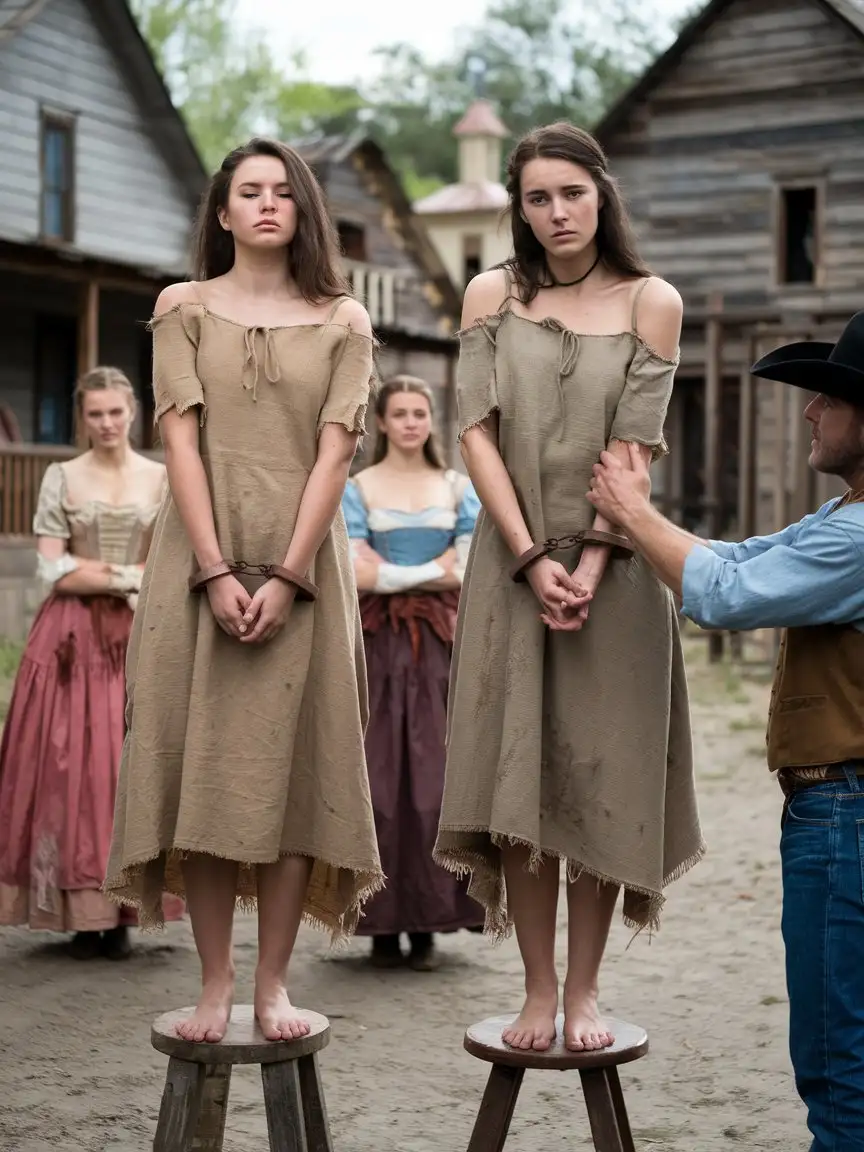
(584, 1030)
(209, 1021)
(279, 1020)
(534, 1027)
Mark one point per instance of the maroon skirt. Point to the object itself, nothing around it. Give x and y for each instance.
(408, 641)
(59, 760)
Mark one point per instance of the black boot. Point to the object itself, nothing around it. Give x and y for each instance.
(423, 956)
(386, 952)
(116, 944)
(85, 945)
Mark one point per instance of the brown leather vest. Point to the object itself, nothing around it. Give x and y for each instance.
(817, 703)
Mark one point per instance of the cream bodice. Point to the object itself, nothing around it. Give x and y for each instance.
(115, 534)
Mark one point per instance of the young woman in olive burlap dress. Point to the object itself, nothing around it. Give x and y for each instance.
(243, 771)
(569, 735)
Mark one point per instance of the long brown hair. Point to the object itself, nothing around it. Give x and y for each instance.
(615, 239)
(100, 380)
(313, 254)
(392, 387)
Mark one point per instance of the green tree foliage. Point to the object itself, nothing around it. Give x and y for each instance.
(537, 62)
(228, 86)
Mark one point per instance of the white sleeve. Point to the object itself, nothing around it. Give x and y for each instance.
(401, 577)
(462, 545)
(48, 572)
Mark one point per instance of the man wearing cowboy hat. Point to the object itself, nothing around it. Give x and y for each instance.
(808, 579)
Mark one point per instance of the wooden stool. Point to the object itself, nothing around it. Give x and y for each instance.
(604, 1100)
(195, 1100)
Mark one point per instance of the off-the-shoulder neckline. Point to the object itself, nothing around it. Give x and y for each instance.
(553, 324)
(258, 327)
(72, 506)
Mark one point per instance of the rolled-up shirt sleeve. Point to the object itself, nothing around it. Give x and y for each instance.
(812, 576)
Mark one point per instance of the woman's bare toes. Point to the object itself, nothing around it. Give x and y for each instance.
(534, 1027)
(209, 1022)
(584, 1030)
(278, 1018)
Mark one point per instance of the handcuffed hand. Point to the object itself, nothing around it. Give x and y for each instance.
(268, 612)
(564, 602)
(229, 600)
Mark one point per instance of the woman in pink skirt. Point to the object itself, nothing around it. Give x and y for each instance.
(61, 743)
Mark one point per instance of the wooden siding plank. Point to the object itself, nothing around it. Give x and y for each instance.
(61, 59)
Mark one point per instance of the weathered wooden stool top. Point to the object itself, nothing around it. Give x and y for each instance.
(484, 1041)
(243, 1043)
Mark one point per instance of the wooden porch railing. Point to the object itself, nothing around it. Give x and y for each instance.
(375, 288)
(22, 467)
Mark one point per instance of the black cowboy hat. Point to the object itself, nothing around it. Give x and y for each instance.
(832, 369)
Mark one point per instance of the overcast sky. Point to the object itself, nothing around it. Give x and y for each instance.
(338, 36)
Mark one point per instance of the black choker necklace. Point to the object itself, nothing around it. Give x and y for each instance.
(556, 283)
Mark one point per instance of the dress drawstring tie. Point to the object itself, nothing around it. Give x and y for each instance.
(569, 354)
(251, 367)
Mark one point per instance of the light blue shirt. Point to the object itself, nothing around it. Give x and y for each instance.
(810, 573)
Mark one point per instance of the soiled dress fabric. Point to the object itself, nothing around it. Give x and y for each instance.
(574, 744)
(62, 738)
(249, 752)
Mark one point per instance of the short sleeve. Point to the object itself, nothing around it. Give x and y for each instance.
(176, 335)
(467, 511)
(641, 411)
(50, 518)
(354, 511)
(476, 387)
(351, 382)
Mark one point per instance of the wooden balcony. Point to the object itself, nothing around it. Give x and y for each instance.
(375, 288)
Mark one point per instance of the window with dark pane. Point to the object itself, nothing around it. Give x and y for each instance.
(57, 178)
(352, 240)
(799, 239)
(472, 256)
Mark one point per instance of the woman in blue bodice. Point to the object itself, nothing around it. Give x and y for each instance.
(410, 521)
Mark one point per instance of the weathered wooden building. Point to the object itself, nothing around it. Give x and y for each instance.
(393, 266)
(98, 188)
(741, 152)
(99, 182)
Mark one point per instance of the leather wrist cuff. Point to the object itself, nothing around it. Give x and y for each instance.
(612, 538)
(522, 563)
(205, 575)
(619, 544)
(306, 590)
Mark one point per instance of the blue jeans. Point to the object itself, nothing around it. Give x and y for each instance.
(822, 851)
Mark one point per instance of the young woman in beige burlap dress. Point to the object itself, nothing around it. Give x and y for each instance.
(243, 771)
(569, 734)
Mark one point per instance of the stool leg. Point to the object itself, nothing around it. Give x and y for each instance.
(600, 1102)
(314, 1109)
(620, 1110)
(210, 1132)
(284, 1107)
(181, 1104)
(496, 1109)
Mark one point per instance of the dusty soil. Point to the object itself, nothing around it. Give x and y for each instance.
(78, 1073)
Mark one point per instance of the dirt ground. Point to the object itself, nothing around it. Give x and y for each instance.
(77, 1073)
